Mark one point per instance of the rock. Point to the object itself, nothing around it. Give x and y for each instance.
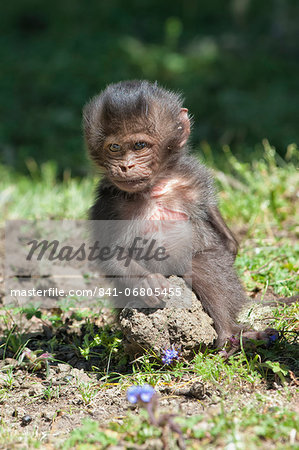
(255, 315)
(11, 362)
(26, 420)
(63, 368)
(36, 389)
(80, 376)
(156, 329)
(68, 378)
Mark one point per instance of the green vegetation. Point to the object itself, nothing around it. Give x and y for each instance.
(244, 428)
(236, 63)
(42, 196)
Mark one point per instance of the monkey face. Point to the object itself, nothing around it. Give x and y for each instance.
(132, 130)
(131, 161)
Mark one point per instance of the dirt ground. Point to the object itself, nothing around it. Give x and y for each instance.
(27, 407)
(51, 406)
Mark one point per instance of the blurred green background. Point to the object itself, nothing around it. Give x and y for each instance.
(236, 62)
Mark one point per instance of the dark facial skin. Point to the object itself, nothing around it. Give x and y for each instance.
(136, 133)
(129, 160)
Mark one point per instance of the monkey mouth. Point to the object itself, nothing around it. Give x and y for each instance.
(131, 184)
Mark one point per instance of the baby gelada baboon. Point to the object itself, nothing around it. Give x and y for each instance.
(136, 133)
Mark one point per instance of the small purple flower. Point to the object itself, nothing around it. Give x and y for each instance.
(169, 355)
(142, 393)
(133, 393)
(273, 338)
(146, 393)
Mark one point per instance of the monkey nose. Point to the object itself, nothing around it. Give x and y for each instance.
(126, 168)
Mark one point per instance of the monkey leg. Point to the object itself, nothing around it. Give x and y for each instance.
(215, 282)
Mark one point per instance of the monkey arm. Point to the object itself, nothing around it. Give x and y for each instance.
(120, 267)
(218, 224)
(109, 230)
(136, 277)
(217, 286)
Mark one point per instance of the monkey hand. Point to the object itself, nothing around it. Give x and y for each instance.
(153, 289)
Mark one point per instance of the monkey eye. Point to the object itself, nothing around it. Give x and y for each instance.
(114, 147)
(139, 145)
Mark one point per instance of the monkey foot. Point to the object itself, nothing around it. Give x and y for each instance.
(250, 340)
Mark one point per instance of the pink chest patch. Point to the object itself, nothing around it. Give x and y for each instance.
(164, 188)
(163, 213)
(159, 210)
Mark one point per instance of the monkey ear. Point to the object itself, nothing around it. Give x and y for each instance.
(184, 125)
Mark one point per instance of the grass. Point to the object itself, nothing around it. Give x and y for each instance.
(247, 402)
(247, 429)
(42, 196)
